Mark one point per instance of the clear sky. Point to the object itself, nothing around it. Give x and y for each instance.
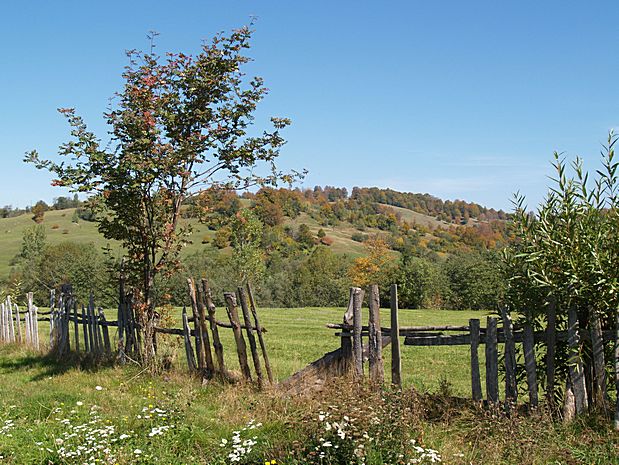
(458, 99)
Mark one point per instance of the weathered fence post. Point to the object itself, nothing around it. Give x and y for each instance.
(511, 388)
(396, 360)
(18, 323)
(9, 307)
(85, 328)
(263, 347)
(196, 323)
(241, 348)
(530, 364)
(551, 344)
(599, 364)
(105, 331)
(206, 340)
(475, 377)
(191, 363)
(575, 365)
(250, 337)
(375, 344)
(210, 306)
(76, 325)
(357, 342)
(346, 341)
(492, 361)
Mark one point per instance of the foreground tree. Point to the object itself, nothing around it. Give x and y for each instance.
(180, 126)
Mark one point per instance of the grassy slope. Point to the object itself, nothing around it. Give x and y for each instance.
(32, 386)
(60, 228)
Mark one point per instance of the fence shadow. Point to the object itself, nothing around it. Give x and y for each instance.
(50, 365)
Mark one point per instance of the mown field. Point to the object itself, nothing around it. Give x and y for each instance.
(74, 411)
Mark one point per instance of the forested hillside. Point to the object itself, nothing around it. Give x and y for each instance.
(299, 247)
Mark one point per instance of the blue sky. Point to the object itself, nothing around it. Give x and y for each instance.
(458, 99)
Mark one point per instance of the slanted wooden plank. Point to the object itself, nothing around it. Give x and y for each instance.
(206, 340)
(210, 306)
(357, 344)
(375, 346)
(106, 334)
(492, 361)
(250, 337)
(396, 360)
(575, 365)
(511, 388)
(196, 324)
(241, 348)
(191, 362)
(475, 376)
(346, 341)
(265, 355)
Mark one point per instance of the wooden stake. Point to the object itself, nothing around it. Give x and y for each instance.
(599, 364)
(511, 388)
(265, 355)
(396, 360)
(196, 323)
(250, 337)
(530, 364)
(217, 346)
(375, 346)
(551, 345)
(575, 366)
(357, 343)
(191, 362)
(241, 348)
(492, 361)
(105, 331)
(475, 376)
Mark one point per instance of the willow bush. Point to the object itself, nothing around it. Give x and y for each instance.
(566, 255)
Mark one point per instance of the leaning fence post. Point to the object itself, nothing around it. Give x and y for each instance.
(250, 337)
(210, 306)
(357, 342)
(105, 331)
(191, 363)
(375, 344)
(492, 361)
(511, 388)
(196, 323)
(241, 348)
(396, 360)
(206, 340)
(254, 311)
(475, 377)
(346, 341)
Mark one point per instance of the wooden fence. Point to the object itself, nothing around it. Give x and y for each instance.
(85, 328)
(19, 326)
(353, 354)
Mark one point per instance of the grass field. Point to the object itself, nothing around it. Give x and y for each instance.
(71, 411)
